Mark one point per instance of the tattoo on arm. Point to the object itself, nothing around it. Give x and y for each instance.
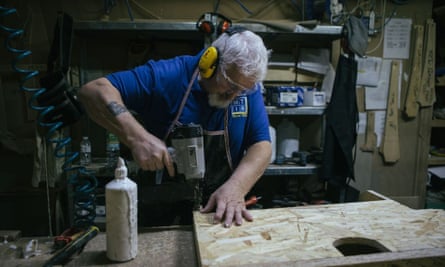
(116, 108)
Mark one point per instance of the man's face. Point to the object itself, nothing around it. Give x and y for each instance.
(226, 86)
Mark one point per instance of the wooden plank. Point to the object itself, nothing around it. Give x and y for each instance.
(411, 105)
(422, 154)
(390, 147)
(306, 236)
(370, 137)
(427, 93)
(370, 195)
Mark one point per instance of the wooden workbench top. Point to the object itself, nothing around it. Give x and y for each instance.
(375, 233)
(166, 246)
(296, 236)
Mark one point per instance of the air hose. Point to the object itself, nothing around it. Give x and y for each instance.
(83, 182)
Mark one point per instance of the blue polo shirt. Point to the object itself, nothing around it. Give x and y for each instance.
(155, 91)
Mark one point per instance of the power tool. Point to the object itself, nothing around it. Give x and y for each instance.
(188, 153)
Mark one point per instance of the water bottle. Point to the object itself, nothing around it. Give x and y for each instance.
(121, 215)
(113, 150)
(85, 151)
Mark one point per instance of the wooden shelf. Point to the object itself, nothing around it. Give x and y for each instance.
(271, 110)
(175, 29)
(288, 169)
(434, 160)
(436, 123)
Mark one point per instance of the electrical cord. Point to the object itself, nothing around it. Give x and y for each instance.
(84, 183)
(382, 31)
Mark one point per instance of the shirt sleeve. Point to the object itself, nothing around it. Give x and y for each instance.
(135, 85)
(258, 120)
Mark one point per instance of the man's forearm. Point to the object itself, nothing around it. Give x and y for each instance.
(104, 105)
(252, 166)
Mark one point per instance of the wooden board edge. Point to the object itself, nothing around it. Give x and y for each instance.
(371, 195)
(421, 257)
(195, 238)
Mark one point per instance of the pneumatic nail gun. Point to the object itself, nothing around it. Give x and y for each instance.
(188, 153)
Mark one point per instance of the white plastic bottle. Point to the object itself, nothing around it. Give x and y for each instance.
(85, 151)
(121, 216)
(288, 135)
(273, 139)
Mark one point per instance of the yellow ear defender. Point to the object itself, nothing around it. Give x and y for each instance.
(208, 62)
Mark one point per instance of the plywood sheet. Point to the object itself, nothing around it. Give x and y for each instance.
(301, 234)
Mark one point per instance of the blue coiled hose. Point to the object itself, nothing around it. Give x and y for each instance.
(83, 182)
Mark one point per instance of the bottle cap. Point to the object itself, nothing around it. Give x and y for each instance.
(121, 170)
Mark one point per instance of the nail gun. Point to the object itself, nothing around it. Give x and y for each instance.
(188, 154)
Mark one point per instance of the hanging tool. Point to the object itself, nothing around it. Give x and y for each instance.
(390, 147)
(76, 246)
(370, 137)
(411, 105)
(427, 95)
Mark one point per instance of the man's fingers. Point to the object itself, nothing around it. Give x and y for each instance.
(168, 162)
(209, 206)
(239, 215)
(230, 213)
(220, 209)
(246, 215)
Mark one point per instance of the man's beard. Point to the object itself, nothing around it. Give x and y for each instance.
(215, 100)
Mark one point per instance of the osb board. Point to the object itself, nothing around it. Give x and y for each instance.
(299, 235)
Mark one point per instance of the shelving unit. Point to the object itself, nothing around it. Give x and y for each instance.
(438, 125)
(294, 169)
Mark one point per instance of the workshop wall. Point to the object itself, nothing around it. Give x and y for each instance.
(403, 180)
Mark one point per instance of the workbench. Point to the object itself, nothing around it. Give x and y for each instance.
(374, 232)
(158, 246)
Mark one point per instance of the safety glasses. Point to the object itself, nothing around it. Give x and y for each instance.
(234, 87)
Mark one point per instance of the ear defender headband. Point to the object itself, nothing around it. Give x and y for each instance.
(213, 23)
(209, 60)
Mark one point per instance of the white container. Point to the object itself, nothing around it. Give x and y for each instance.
(85, 151)
(273, 139)
(314, 98)
(288, 135)
(121, 216)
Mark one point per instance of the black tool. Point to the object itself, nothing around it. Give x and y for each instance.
(76, 245)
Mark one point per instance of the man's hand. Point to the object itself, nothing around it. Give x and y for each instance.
(152, 154)
(230, 207)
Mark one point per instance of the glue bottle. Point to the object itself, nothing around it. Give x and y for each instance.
(121, 215)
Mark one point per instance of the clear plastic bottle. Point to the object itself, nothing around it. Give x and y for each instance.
(113, 150)
(85, 151)
(121, 216)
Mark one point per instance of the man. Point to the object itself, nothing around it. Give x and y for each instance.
(219, 89)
